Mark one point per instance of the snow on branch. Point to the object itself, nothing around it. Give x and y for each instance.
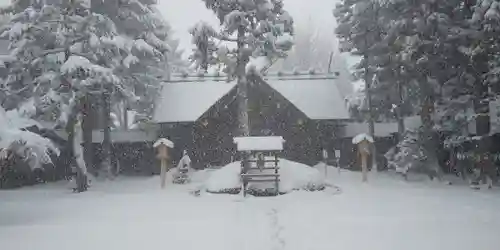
(75, 64)
(267, 33)
(30, 146)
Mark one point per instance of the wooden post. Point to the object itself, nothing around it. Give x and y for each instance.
(364, 167)
(325, 160)
(244, 179)
(163, 155)
(337, 160)
(163, 172)
(363, 149)
(276, 167)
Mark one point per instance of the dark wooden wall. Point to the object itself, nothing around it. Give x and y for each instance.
(137, 158)
(213, 133)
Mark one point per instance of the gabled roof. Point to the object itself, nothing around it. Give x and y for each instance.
(187, 98)
(187, 101)
(318, 98)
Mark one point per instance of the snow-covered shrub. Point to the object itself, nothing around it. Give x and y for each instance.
(407, 154)
(16, 140)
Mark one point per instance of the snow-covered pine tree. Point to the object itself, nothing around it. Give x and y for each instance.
(484, 51)
(440, 61)
(138, 26)
(70, 53)
(205, 51)
(423, 44)
(454, 69)
(359, 29)
(145, 35)
(262, 32)
(176, 62)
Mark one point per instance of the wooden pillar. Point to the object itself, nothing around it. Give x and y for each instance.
(364, 154)
(163, 172)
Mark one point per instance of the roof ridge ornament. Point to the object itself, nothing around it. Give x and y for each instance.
(220, 76)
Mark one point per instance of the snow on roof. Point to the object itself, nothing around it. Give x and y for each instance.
(261, 143)
(362, 137)
(163, 141)
(319, 99)
(187, 101)
(186, 97)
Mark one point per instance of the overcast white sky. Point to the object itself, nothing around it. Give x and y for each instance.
(183, 14)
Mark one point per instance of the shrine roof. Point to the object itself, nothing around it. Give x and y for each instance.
(185, 98)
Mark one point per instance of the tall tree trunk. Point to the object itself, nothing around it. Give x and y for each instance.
(399, 111)
(106, 142)
(242, 60)
(481, 92)
(371, 120)
(87, 127)
(482, 109)
(81, 171)
(429, 141)
(125, 115)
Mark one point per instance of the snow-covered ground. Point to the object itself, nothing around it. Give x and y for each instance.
(133, 213)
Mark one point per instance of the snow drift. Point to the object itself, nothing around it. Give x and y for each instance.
(293, 176)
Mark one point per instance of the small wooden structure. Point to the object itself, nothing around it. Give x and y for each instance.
(257, 152)
(364, 143)
(163, 155)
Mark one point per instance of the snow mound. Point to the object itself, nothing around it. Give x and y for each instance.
(293, 176)
(297, 176)
(225, 179)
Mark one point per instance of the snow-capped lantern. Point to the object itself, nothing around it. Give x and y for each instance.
(163, 145)
(364, 143)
